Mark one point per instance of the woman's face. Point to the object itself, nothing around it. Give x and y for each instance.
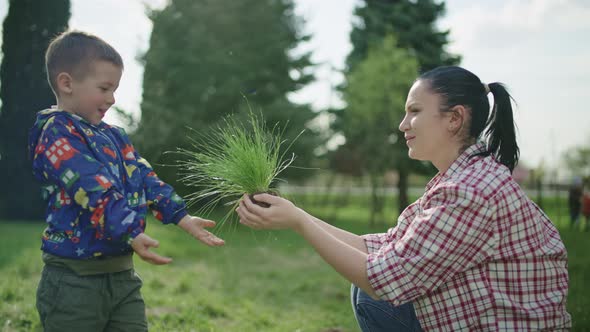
(428, 132)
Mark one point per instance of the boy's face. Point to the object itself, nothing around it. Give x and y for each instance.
(94, 94)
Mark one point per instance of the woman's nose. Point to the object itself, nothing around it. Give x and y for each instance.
(405, 124)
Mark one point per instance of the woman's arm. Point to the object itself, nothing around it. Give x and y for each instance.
(347, 237)
(346, 259)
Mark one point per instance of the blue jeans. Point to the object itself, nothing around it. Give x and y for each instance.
(379, 316)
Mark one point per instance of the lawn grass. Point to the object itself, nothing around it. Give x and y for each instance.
(259, 281)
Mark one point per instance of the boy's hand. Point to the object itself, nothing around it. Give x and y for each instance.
(142, 244)
(195, 226)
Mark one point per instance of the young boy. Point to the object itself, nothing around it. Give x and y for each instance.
(99, 190)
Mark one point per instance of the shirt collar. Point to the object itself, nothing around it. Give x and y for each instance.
(75, 116)
(459, 164)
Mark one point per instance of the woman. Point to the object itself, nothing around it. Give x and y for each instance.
(473, 253)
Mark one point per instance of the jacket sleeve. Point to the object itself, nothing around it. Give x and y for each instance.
(166, 205)
(62, 156)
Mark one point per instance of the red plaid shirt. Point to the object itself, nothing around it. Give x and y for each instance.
(473, 253)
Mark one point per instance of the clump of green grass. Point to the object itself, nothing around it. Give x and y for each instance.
(233, 159)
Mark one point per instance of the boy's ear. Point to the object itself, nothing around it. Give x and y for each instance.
(64, 82)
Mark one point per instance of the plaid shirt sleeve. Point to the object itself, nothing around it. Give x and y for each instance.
(451, 233)
(375, 241)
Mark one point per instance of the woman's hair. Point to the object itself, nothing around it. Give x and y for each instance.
(458, 86)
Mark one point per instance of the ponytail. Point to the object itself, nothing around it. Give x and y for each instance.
(459, 86)
(500, 134)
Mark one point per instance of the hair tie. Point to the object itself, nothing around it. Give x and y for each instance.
(486, 88)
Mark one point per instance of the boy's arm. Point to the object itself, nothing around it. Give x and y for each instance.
(171, 208)
(168, 207)
(62, 156)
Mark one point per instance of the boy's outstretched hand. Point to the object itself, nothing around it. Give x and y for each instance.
(142, 244)
(195, 226)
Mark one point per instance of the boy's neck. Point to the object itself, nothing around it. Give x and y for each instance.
(61, 105)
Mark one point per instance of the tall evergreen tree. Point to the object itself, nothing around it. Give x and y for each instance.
(376, 89)
(413, 23)
(205, 57)
(28, 28)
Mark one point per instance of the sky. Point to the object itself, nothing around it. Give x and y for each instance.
(539, 48)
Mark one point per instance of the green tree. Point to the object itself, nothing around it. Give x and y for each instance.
(577, 161)
(206, 58)
(27, 30)
(375, 95)
(413, 23)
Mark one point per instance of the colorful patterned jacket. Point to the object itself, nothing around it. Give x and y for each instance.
(97, 186)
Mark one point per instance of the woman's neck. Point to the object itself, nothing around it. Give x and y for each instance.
(446, 158)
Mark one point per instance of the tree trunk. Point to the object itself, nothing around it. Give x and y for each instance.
(402, 187)
(539, 185)
(27, 30)
(340, 200)
(329, 190)
(376, 213)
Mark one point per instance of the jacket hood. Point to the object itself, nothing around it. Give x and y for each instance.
(35, 132)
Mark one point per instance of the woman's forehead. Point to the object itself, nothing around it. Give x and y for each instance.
(420, 93)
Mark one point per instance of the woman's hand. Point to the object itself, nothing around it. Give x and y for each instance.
(281, 214)
(195, 226)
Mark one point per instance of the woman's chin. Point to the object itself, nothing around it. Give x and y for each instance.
(415, 156)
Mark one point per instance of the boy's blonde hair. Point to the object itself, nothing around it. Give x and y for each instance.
(74, 52)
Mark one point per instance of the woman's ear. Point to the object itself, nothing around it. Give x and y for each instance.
(457, 116)
(64, 83)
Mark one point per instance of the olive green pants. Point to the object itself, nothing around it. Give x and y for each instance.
(99, 302)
